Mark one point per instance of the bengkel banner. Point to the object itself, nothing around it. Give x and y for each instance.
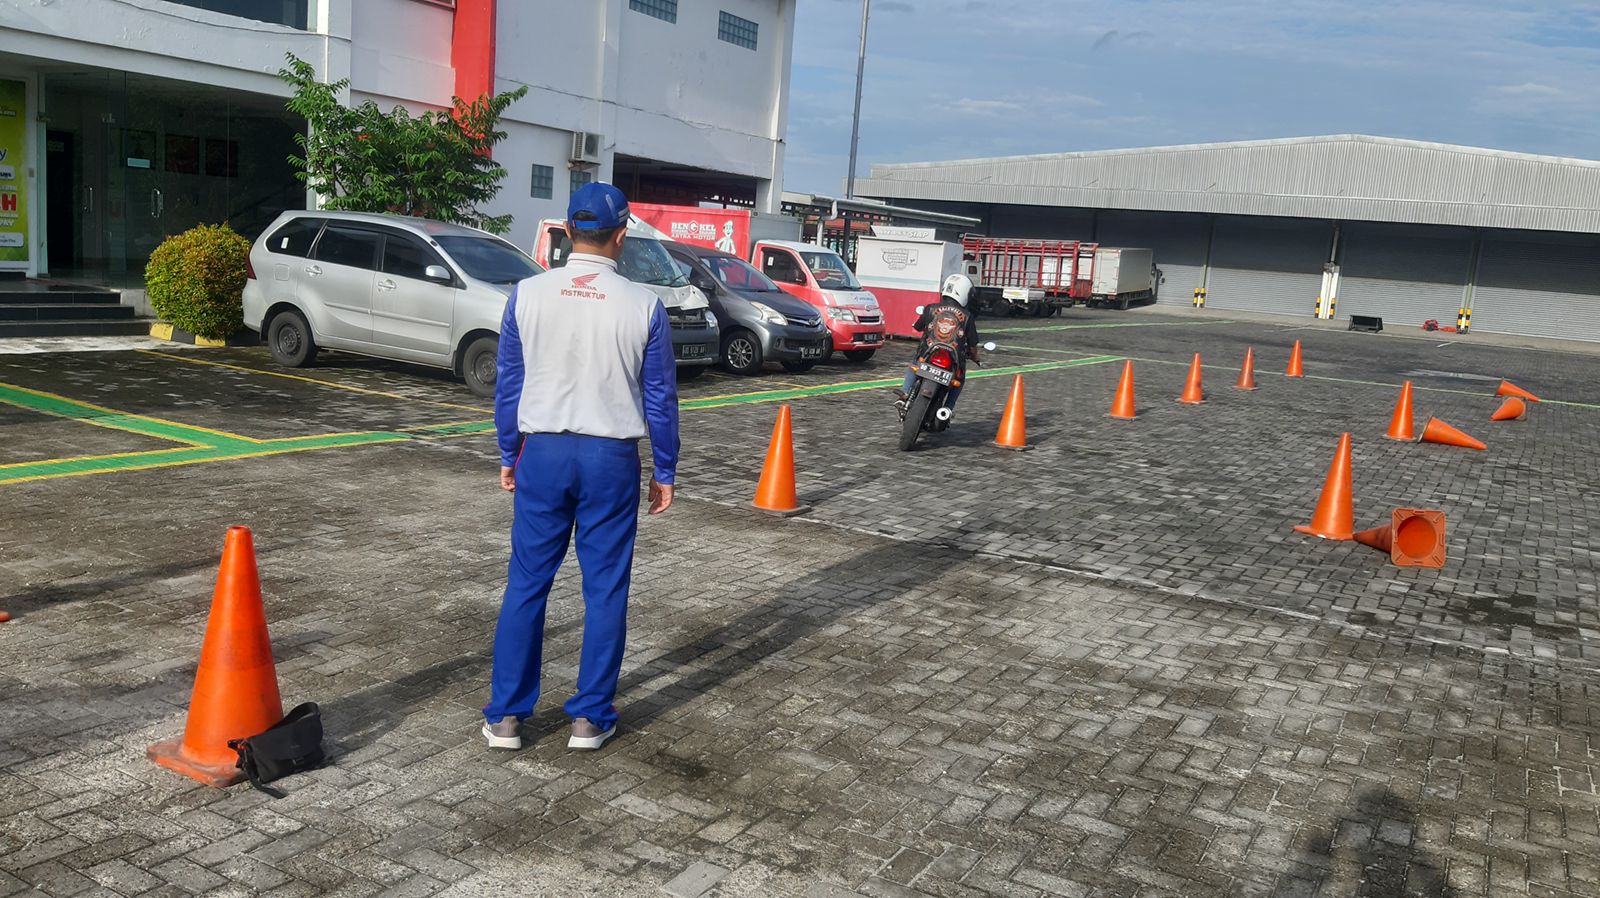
(724, 229)
(13, 175)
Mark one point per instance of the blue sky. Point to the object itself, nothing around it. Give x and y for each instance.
(950, 79)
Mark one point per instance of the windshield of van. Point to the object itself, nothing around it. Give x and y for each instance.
(830, 271)
(488, 259)
(645, 261)
(737, 274)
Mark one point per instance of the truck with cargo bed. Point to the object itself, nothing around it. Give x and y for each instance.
(1122, 275)
(1025, 276)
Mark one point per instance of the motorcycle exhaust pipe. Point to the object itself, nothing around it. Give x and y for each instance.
(943, 414)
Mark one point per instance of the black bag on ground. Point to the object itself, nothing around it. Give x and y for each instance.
(292, 744)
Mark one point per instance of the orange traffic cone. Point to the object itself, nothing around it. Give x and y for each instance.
(1335, 514)
(1414, 537)
(236, 686)
(1400, 427)
(1013, 432)
(1192, 393)
(4, 616)
(1296, 368)
(1507, 388)
(1439, 432)
(1247, 374)
(1513, 409)
(775, 492)
(1122, 405)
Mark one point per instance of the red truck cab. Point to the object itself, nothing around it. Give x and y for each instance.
(817, 275)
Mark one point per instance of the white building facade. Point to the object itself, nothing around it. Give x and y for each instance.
(125, 121)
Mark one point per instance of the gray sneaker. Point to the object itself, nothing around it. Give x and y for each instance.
(503, 733)
(588, 737)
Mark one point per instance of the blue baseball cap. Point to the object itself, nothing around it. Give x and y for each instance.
(606, 207)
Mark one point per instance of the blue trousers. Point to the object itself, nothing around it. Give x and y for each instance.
(567, 481)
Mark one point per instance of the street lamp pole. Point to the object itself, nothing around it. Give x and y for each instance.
(855, 121)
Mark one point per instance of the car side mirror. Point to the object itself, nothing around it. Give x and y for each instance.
(437, 273)
(702, 282)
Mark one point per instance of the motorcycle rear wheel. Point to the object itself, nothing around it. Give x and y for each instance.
(916, 416)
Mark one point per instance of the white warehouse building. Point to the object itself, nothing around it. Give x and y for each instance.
(1321, 226)
(125, 121)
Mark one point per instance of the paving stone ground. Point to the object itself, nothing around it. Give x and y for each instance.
(1103, 667)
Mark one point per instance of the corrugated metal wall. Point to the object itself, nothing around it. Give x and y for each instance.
(1178, 241)
(1405, 275)
(1549, 288)
(1268, 265)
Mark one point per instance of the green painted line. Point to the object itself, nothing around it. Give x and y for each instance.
(459, 427)
(859, 385)
(62, 407)
(165, 458)
(1076, 327)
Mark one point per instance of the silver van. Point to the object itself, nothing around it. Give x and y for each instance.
(388, 286)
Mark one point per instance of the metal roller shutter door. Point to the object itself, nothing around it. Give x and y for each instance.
(1268, 265)
(1178, 242)
(1403, 275)
(1538, 289)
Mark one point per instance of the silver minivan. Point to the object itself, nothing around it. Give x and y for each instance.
(389, 286)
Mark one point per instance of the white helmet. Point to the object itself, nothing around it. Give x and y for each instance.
(958, 287)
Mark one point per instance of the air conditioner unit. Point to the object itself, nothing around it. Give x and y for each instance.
(585, 148)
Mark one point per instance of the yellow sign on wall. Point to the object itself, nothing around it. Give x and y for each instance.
(13, 173)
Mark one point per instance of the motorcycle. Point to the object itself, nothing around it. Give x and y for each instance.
(938, 371)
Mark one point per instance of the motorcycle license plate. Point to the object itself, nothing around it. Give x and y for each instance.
(936, 374)
(812, 351)
(691, 351)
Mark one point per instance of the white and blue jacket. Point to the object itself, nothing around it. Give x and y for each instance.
(584, 350)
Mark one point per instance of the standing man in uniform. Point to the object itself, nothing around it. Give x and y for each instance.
(585, 371)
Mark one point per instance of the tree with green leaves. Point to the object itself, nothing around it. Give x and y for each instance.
(435, 165)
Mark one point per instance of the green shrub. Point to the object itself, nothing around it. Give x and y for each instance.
(195, 280)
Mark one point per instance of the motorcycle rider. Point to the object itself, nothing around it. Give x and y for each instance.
(953, 308)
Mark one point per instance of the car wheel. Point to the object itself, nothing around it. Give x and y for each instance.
(687, 373)
(859, 355)
(799, 367)
(289, 338)
(741, 353)
(478, 365)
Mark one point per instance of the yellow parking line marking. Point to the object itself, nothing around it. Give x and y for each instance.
(313, 380)
(159, 428)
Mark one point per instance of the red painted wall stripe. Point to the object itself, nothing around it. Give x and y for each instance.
(472, 48)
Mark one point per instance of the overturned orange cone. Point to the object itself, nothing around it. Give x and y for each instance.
(775, 492)
(1414, 537)
(1439, 432)
(1513, 409)
(1400, 423)
(1247, 373)
(1122, 405)
(236, 686)
(1013, 432)
(1507, 388)
(1192, 392)
(1296, 365)
(1335, 514)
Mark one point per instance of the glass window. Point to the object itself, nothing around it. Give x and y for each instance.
(830, 271)
(579, 178)
(544, 182)
(735, 30)
(665, 10)
(407, 257)
(780, 265)
(645, 261)
(278, 12)
(348, 246)
(740, 275)
(490, 259)
(295, 238)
